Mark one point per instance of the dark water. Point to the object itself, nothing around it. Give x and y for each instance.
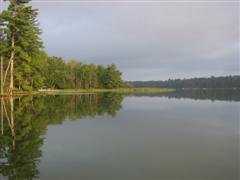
(190, 135)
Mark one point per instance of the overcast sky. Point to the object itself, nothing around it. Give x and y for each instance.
(147, 40)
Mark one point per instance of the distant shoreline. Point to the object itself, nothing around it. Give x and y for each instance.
(221, 82)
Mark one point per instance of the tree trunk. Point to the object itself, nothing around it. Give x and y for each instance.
(11, 86)
(19, 85)
(1, 75)
(32, 84)
(2, 115)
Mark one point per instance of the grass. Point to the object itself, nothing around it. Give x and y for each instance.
(120, 90)
(81, 91)
(19, 93)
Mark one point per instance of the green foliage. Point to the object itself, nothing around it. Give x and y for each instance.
(76, 75)
(23, 41)
(212, 82)
(113, 77)
(54, 73)
(33, 69)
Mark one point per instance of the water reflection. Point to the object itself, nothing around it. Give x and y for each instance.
(24, 121)
(213, 95)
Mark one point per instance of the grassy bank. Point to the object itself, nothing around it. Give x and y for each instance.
(120, 90)
(19, 93)
(80, 91)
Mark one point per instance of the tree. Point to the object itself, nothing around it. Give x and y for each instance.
(3, 47)
(72, 77)
(28, 67)
(55, 72)
(23, 41)
(113, 77)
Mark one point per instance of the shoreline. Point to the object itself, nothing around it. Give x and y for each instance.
(120, 90)
(90, 91)
(83, 91)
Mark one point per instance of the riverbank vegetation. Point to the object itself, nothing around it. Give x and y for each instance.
(26, 67)
(118, 90)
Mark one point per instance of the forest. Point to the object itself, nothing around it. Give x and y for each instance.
(209, 83)
(25, 66)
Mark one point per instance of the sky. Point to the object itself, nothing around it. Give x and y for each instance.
(147, 40)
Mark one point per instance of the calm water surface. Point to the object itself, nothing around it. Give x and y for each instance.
(186, 136)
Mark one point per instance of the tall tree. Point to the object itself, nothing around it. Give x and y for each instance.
(3, 45)
(24, 42)
(28, 67)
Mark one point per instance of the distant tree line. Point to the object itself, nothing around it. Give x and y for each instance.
(24, 65)
(212, 82)
(199, 94)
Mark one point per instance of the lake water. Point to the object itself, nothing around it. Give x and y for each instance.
(189, 135)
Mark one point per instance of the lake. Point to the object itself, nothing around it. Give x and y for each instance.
(186, 135)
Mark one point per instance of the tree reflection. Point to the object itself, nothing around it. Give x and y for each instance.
(199, 94)
(24, 121)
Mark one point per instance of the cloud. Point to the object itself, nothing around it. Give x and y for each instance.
(146, 42)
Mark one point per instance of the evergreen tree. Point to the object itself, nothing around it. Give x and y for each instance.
(3, 46)
(27, 67)
(24, 43)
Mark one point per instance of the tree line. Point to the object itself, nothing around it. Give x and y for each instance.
(231, 95)
(73, 74)
(25, 66)
(211, 83)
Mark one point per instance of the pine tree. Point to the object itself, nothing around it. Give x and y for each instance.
(24, 43)
(3, 46)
